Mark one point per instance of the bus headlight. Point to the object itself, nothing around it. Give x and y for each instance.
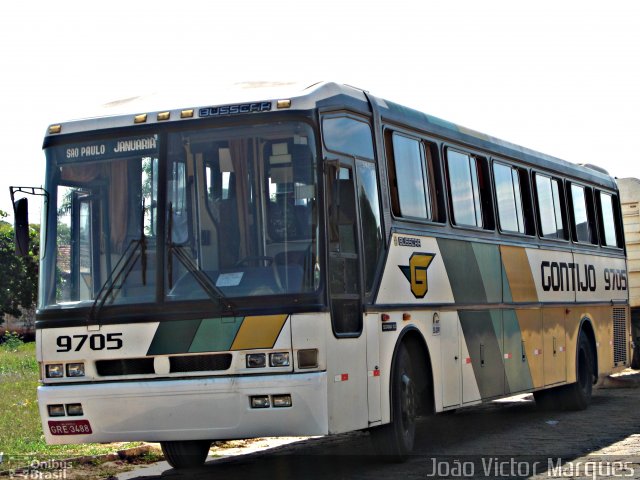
(256, 360)
(54, 370)
(279, 359)
(75, 369)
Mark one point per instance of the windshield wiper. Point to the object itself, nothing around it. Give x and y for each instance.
(210, 289)
(203, 280)
(136, 249)
(119, 274)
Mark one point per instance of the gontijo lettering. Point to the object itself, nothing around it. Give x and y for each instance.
(573, 277)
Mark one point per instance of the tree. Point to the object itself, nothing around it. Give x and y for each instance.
(18, 275)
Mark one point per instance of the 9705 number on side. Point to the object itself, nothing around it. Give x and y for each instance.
(96, 341)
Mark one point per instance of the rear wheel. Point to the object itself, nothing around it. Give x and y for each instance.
(635, 360)
(186, 454)
(396, 439)
(576, 396)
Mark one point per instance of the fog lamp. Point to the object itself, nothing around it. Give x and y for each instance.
(281, 400)
(55, 410)
(260, 401)
(74, 409)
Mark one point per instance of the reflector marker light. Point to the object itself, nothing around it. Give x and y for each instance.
(343, 377)
(186, 114)
(308, 358)
(385, 317)
(55, 128)
(284, 103)
(142, 118)
(373, 373)
(507, 356)
(537, 351)
(164, 116)
(406, 317)
(562, 349)
(467, 360)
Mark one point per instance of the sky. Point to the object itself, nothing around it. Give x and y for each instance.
(560, 77)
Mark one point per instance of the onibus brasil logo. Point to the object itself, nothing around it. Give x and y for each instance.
(416, 272)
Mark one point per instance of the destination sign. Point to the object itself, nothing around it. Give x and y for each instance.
(116, 148)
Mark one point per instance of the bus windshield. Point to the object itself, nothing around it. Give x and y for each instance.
(225, 213)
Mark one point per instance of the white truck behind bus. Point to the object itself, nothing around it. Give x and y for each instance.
(630, 200)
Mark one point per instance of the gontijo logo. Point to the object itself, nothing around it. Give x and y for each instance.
(416, 272)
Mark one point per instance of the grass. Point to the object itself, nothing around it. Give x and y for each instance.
(21, 437)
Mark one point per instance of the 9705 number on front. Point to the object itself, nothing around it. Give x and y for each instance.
(96, 341)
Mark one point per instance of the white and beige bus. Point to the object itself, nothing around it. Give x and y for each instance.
(316, 263)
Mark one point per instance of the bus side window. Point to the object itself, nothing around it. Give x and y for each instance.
(409, 177)
(509, 198)
(609, 226)
(550, 207)
(582, 214)
(468, 185)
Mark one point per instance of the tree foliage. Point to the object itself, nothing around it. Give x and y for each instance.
(18, 275)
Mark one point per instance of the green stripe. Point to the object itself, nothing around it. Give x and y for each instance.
(216, 334)
(488, 259)
(462, 269)
(516, 369)
(174, 336)
(482, 332)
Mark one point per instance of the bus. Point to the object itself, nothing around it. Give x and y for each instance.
(630, 201)
(314, 263)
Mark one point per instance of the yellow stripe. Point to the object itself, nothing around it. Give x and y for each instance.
(516, 264)
(530, 321)
(259, 332)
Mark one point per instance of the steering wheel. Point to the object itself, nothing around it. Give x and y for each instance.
(255, 258)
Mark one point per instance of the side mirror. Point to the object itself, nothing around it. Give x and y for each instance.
(21, 226)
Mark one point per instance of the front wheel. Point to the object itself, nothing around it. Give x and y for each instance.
(186, 454)
(397, 438)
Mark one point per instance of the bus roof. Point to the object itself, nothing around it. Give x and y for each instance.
(254, 96)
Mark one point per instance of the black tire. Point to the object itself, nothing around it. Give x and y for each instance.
(635, 359)
(395, 440)
(186, 454)
(577, 396)
(546, 399)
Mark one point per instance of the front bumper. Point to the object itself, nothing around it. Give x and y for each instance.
(189, 409)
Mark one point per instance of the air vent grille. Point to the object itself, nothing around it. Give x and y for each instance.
(619, 336)
(179, 364)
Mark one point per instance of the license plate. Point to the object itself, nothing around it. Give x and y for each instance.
(70, 427)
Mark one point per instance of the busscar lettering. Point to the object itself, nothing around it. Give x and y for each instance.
(235, 109)
(568, 277)
(409, 242)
